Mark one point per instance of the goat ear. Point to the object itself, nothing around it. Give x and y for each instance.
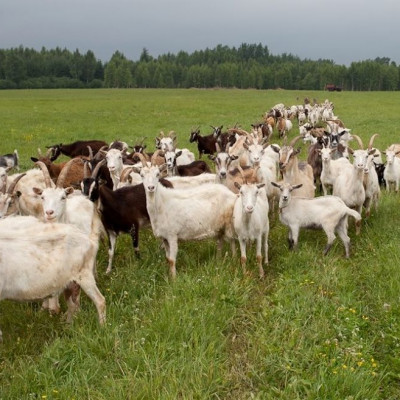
(260, 185)
(350, 150)
(275, 148)
(237, 185)
(178, 153)
(233, 157)
(37, 191)
(211, 157)
(372, 151)
(297, 186)
(276, 185)
(34, 159)
(69, 190)
(17, 193)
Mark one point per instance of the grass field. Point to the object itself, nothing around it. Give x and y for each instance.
(315, 328)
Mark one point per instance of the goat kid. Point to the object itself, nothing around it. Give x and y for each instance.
(329, 213)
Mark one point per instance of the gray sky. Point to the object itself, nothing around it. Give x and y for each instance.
(341, 30)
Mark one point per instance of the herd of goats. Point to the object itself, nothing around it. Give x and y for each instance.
(53, 217)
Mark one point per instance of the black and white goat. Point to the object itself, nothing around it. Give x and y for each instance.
(10, 160)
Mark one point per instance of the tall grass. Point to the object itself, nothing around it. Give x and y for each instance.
(315, 328)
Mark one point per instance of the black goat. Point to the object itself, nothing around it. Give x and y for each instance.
(76, 149)
(122, 210)
(205, 144)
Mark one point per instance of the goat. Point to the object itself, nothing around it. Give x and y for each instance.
(283, 126)
(329, 213)
(60, 205)
(10, 160)
(58, 254)
(205, 144)
(27, 202)
(166, 143)
(193, 168)
(75, 173)
(293, 171)
(187, 214)
(121, 211)
(227, 176)
(349, 184)
(314, 159)
(181, 182)
(371, 185)
(76, 149)
(331, 169)
(3, 177)
(250, 221)
(392, 170)
(8, 204)
(115, 164)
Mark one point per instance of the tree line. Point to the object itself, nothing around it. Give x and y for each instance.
(248, 66)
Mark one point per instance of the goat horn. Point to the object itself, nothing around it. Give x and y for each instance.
(14, 183)
(97, 168)
(162, 134)
(155, 155)
(90, 153)
(64, 172)
(371, 141)
(359, 141)
(46, 174)
(125, 173)
(141, 158)
(295, 140)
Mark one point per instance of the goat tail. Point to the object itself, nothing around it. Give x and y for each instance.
(353, 213)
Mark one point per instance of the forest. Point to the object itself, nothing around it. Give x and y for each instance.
(247, 66)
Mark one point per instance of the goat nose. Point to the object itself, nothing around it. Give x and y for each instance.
(151, 188)
(49, 212)
(223, 174)
(249, 208)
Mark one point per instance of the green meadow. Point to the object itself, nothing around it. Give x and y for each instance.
(315, 328)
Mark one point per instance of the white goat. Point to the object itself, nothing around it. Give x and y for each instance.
(349, 185)
(181, 182)
(329, 213)
(57, 254)
(8, 202)
(292, 173)
(371, 185)
(60, 205)
(250, 221)
(27, 201)
(331, 169)
(392, 170)
(187, 214)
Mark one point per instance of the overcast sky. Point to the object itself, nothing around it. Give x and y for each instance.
(340, 30)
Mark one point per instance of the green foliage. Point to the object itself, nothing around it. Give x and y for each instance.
(248, 66)
(315, 328)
